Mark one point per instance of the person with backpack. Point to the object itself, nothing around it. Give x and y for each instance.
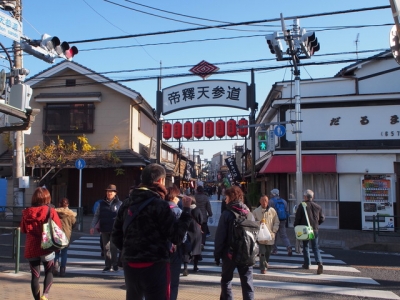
(267, 215)
(281, 207)
(235, 244)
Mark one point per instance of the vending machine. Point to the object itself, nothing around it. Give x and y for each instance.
(377, 200)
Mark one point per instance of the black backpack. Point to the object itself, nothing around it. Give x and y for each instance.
(243, 244)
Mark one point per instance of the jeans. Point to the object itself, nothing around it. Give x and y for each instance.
(110, 250)
(282, 234)
(63, 254)
(315, 249)
(246, 279)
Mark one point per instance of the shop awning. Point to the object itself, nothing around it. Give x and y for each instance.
(310, 164)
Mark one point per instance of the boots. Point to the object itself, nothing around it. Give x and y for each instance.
(320, 269)
(55, 268)
(62, 272)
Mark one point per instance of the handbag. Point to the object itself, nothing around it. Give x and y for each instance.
(264, 234)
(53, 238)
(303, 232)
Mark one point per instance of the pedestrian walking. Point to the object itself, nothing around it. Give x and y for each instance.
(68, 220)
(195, 236)
(143, 229)
(267, 215)
(203, 203)
(281, 207)
(316, 218)
(234, 201)
(32, 222)
(176, 251)
(104, 217)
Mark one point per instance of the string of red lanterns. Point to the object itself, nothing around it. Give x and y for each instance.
(200, 129)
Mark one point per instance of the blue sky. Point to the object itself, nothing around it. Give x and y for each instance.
(92, 19)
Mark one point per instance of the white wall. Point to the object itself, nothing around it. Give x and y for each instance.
(360, 163)
(350, 187)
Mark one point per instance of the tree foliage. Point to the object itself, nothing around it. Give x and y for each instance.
(60, 154)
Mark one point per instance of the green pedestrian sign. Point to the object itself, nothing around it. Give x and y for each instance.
(262, 146)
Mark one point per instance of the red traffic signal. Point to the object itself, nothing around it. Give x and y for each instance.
(54, 45)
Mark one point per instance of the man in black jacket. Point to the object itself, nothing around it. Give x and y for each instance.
(316, 217)
(145, 241)
(105, 214)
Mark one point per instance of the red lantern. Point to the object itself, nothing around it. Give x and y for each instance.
(245, 130)
(209, 129)
(167, 130)
(188, 130)
(177, 128)
(231, 128)
(220, 128)
(198, 130)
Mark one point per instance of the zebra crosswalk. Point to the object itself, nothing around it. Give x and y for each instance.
(284, 272)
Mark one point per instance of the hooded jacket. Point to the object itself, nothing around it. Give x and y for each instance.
(32, 222)
(225, 223)
(68, 219)
(147, 237)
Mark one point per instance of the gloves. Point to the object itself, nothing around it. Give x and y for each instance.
(217, 262)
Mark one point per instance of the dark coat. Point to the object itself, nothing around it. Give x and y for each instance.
(314, 212)
(203, 203)
(194, 230)
(147, 237)
(225, 223)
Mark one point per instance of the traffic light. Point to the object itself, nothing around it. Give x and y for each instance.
(309, 43)
(275, 45)
(20, 96)
(262, 137)
(53, 44)
(49, 48)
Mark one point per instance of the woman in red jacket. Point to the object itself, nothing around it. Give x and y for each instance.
(32, 222)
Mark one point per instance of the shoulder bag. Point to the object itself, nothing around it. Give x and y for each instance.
(53, 238)
(304, 232)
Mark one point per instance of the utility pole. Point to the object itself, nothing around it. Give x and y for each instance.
(302, 45)
(19, 166)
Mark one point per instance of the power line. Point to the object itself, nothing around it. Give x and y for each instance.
(229, 25)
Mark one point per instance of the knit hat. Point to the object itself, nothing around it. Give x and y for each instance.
(275, 192)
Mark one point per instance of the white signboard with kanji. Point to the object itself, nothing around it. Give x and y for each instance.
(205, 93)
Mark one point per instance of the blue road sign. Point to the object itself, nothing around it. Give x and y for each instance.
(279, 130)
(80, 163)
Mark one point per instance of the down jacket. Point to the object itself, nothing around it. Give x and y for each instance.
(32, 222)
(147, 238)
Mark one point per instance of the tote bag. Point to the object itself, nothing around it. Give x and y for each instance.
(53, 238)
(304, 232)
(264, 234)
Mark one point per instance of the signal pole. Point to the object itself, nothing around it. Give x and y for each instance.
(299, 43)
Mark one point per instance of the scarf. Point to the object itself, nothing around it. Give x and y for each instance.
(157, 188)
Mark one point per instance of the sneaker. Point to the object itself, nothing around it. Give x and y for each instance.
(289, 251)
(43, 298)
(263, 271)
(115, 268)
(106, 269)
(185, 272)
(196, 270)
(320, 269)
(307, 267)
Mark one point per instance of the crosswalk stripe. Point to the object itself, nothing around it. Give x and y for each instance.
(377, 294)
